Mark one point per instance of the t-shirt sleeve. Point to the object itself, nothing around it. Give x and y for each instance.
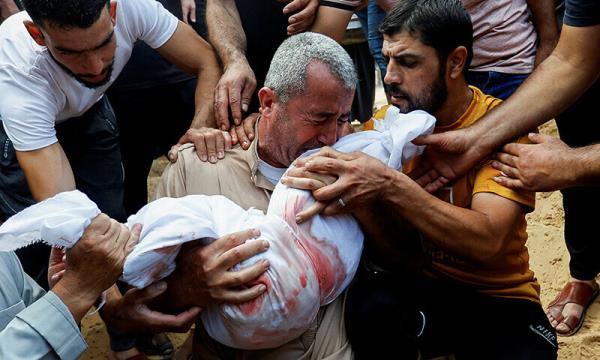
(350, 5)
(484, 182)
(581, 13)
(27, 109)
(148, 21)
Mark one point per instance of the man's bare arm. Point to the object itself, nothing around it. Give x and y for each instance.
(238, 82)
(574, 61)
(544, 20)
(47, 170)
(7, 8)
(332, 22)
(478, 234)
(547, 164)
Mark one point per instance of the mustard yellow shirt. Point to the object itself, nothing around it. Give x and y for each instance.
(510, 275)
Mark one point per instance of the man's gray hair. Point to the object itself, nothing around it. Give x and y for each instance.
(287, 73)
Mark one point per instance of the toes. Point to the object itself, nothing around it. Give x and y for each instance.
(563, 328)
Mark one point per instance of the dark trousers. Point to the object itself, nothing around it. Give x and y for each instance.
(150, 121)
(90, 143)
(578, 128)
(390, 314)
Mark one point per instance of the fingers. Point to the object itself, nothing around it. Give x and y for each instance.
(112, 234)
(294, 6)
(240, 296)
(505, 158)
(227, 242)
(300, 178)
(143, 296)
(242, 252)
(235, 102)
(247, 92)
(313, 210)
(245, 133)
(134, 238)
(515, 184)
(172, 154)
(100, 224)
(304, 18)
(234, 279)
(221, 107)
(57, 276)
(192, 11)
(436, 184)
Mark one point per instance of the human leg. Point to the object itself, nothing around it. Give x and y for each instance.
(91, 145)
(150, 121)
(470, 325)
(381, 316)
(576, 128)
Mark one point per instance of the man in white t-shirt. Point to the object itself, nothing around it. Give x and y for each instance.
(58, 131)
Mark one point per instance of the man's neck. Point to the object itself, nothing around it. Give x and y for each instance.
(458, 101)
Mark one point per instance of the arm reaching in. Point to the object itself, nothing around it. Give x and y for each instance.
(547, 165)
(538, 100)
(94, 263)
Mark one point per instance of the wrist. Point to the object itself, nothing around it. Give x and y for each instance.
(76, 299)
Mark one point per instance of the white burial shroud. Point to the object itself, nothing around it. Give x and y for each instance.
(310, 264)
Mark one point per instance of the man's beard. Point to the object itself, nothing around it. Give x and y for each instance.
(430, 100)
(90, 85)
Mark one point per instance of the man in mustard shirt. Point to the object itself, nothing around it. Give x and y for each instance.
(478, 297)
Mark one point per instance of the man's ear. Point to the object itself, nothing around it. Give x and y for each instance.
(457, 61)
(113, 12)
(35, 32)
(267, 98)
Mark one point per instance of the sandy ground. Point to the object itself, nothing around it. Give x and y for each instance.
(548, 257)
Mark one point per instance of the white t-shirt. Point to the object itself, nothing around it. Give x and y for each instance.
(36, 93)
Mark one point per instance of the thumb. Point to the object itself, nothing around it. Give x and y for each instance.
(151, 291)
(431, 139)
(538, 138)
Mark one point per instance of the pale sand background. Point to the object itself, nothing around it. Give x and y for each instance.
(548, 257)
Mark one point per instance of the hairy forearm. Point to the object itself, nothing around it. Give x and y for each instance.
(225, 30)
(584, 163)
(459, 231)
(47, 171)
(555, 85)
(208, 77)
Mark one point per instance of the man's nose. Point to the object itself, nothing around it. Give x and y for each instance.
(392, 75)
(329, 134)
(93, 64)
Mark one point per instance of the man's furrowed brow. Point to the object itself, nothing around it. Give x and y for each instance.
(103, 43)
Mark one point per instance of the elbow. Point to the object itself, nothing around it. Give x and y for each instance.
(490, 252)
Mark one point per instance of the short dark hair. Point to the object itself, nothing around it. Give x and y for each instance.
(65, 13)
(442, 24)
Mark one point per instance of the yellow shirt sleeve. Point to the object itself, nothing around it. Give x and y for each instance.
(484, 182)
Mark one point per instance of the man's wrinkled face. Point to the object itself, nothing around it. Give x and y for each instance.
(86, 54)
(310, 120)
(415, 77)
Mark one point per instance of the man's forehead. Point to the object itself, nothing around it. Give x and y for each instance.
(80, 39)
(400, 42)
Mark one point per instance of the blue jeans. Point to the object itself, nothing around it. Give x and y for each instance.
(500, 85)
(370, 19)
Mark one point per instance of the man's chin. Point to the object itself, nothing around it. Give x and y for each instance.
(93, 84)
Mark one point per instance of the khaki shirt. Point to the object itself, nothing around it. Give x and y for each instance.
(237, 177)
